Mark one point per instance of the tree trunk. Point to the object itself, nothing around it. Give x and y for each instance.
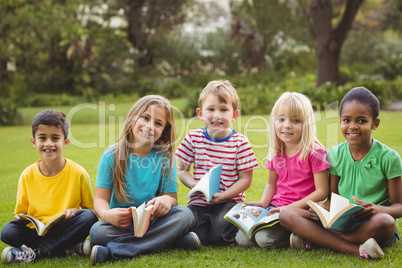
(328, 41)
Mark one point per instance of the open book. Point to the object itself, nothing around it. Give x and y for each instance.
(209, 183)
(41, 228)
(339, 216)
(250, 219)
(141, 219)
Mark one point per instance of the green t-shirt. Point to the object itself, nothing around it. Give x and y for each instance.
(366, 179)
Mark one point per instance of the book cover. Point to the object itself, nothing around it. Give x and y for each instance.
(41, 228)
(340, 215)
(250, 219)
(209, 183)
(141, 219)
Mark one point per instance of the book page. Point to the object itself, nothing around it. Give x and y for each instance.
(202, 186)
(38, 225)
(337, 204)
(140, 212)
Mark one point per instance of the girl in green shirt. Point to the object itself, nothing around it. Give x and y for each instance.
(366, 172)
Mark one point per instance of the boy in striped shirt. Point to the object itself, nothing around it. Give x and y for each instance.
(208, 147)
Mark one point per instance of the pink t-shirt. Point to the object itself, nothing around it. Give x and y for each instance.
(295, 177)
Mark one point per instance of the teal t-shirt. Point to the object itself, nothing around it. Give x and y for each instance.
(144, 178)
(366, 179)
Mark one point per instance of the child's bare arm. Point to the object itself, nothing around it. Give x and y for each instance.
(269, 191)
(319, 194)
(239, 186)
(395, 195)
(162, 204)
(183, 172)
(120, 217)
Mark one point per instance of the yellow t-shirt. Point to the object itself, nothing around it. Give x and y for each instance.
(45, 197)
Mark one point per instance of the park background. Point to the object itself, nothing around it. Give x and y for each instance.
(94, 59)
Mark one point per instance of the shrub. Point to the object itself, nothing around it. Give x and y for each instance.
(37, 100)
(9, 114)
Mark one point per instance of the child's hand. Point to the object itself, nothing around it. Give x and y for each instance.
(313, 214)
(217, 198)
(70, 212)
(257, 204)
(275, 210)
(369, 210)
(17, 218)
(162, 206)
(120, 217)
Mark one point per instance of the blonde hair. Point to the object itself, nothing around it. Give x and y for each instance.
(223, 89)
(165, 144)
(299, 105)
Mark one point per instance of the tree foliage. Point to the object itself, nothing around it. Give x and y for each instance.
(148, 22)
(262, 27)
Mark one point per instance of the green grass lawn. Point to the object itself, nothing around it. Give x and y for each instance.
(90, 138)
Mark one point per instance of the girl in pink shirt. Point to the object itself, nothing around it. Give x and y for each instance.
(297, 167)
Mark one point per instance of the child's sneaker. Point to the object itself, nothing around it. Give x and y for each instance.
(82, 249)
(100, 254)
(296, 242)
(24, 254)
(371, 250)
(188, 241)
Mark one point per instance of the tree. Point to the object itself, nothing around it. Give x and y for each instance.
(148, 21)
(261, 26)
(61, 47)
(329, 39)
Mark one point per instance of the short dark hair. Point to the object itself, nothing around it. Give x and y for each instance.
(51, 118)
(364, 96)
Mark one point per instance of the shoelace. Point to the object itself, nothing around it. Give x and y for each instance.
(364, 254)
(74, 250)
(26, 255)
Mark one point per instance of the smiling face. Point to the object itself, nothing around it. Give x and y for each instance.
(357, 123)
(217, 117)
(49, 142)
(288, 128)
(149, 127)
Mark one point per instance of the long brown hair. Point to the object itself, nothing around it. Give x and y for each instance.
(165, 144)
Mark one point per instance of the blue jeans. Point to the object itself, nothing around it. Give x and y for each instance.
(60, 237)
(211, 227)
(161, 234)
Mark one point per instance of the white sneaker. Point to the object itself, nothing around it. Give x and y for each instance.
(296, 242)
(371, 250)
(82, 248)
(22, 254)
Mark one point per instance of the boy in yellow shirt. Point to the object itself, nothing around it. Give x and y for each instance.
(50, 186)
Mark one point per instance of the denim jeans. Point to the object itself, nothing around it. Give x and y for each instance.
(60, 237)
(211, 227)
(161, 234)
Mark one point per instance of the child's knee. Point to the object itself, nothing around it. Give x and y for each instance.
(273, 237)
(183, 216)
(242, 240)
(88, 215)
(286, 215)
(6, 232)
(96, 233)
(384, 221)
